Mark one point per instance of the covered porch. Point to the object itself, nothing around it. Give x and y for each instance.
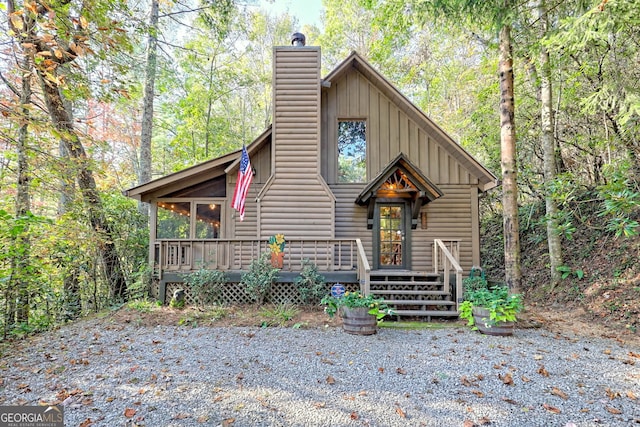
(436, 292)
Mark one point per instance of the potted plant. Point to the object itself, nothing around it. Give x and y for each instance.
(360, 313)
(277, 244)
(490, 309)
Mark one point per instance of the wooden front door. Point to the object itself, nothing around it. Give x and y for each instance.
(391, 233)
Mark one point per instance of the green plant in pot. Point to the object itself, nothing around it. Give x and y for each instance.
(490, 309)
(360, 313)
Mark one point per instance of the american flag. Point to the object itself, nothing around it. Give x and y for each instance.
(245, 175)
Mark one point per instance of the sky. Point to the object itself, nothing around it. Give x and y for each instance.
(307, 11)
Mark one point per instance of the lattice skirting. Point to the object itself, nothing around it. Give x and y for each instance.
(235, 294)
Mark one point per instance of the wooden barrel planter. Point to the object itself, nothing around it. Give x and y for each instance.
(358, 321)
(500, 329)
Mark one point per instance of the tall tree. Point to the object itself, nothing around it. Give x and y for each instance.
(494, 16)
(48, 53)
(513, 274)
(146, 133)
(23, 196)
(549, 150)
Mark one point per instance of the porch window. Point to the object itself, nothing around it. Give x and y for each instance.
(189, 219)
(208, 221)
(173, 220)
(352, 151)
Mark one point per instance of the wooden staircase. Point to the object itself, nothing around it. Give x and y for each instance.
(414, 294)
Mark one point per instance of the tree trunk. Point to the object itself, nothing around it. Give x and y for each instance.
(549, 152)
(20, 261)
(508, 164)
(146, 132)
(86, 183)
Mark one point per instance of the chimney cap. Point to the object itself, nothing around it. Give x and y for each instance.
(298, 39)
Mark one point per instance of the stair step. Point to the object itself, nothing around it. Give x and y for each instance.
(404, 283)
(436, 313)
(407, 292)
(419, 302)
(406, 277)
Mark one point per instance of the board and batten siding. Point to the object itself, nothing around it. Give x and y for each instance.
(351, 219)
(389, 132)
(450, 217)
(296, 201)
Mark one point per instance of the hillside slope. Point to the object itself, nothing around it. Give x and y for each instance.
(602, 283)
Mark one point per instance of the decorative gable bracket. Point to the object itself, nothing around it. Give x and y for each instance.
(399, 180)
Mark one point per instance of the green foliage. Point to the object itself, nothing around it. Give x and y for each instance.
(376, 306)
(502, 305)
(566, 271)
(278, 315)
(310, 283)
(177, 303)
(142, 305)
(474, 282)
(621, 201)
(141, 285)
(206, 285)
(260, 277)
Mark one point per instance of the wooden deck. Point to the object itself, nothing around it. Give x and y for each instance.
(409, 293)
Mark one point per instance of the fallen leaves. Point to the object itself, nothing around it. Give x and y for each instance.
(506, 379)
(542, 371)
(551, 409)
(561, 394)
(129, 412)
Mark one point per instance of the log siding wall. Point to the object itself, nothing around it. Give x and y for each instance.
(296, 201)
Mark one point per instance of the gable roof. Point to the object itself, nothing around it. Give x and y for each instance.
(414, 186)
(487, 180)
(424, 190)
(194, 174)
(226, 163)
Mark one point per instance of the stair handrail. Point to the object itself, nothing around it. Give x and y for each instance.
(364, 270)
(449, 262)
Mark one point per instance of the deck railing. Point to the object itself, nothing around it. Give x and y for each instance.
(236, 254)
(364, 270)
(446, 254)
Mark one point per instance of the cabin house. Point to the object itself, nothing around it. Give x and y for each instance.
(358, 179)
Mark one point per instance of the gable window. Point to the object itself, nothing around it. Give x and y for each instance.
(352, 151)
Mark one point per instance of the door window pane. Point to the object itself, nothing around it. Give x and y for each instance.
(391, 231)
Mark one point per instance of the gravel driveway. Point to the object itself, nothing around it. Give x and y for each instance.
(109, 374)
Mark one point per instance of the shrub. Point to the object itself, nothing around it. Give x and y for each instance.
(260, 277)
(310, 283)
(206, 285)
